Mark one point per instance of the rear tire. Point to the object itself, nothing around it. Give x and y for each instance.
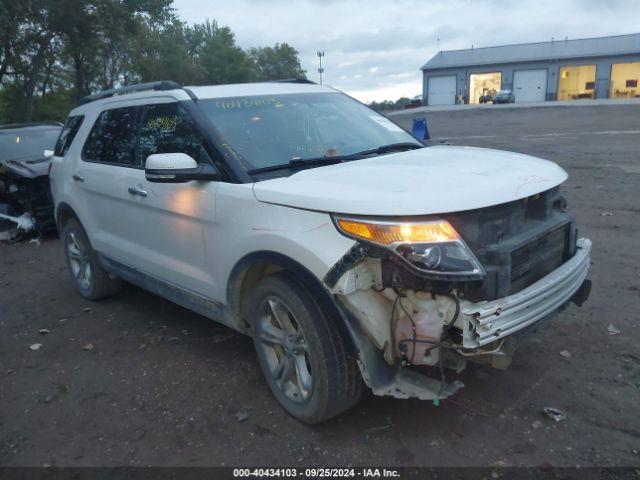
(91, 280)
(301, 351)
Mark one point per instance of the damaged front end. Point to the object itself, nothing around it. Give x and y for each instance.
(26, 204)
(25, 201)
(421, 295)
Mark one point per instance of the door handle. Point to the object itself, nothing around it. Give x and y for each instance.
(137, 191)
(77, 178)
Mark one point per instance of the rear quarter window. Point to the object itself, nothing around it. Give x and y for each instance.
(113, 138)
(67, 135)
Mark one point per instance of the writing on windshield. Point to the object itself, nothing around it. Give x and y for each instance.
(273, 130)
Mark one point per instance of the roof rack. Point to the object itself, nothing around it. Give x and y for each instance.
(164, 85)
(8, 126)
(140, 87)
(293, 80)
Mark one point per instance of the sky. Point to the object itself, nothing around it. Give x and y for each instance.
(374, 49)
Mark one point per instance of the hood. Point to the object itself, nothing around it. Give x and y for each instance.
(432, 180)
(27, 167)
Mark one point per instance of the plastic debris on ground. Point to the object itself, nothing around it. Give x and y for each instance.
(554, 414)
(242, 416)
(613, 330)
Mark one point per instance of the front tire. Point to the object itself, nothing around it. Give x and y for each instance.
(91, 280)
(301, 351)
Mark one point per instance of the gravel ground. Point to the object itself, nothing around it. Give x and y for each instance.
(136, 380)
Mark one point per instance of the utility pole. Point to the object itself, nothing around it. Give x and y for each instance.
(320, 69)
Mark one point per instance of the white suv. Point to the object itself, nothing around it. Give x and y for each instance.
(352, 253)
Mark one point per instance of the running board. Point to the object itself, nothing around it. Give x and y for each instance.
(185, 298)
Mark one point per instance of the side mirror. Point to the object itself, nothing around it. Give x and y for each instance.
(48, 153)
(177, 168)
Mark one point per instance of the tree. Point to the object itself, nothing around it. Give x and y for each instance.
(221, 60)
(388, 105)
(97, 36)
(54, 52)
(11, 16)
(164, 53)
(32, 49)
(277, 63)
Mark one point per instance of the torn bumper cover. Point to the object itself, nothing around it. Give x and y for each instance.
(393, 380)
(407, 383)
(373, 313)
(486, 322)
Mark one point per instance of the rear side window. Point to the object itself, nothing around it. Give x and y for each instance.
(166, 128)
(113, 138)
(67, 135)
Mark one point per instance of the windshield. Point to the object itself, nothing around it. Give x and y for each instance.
(271, 130)
(27, 143)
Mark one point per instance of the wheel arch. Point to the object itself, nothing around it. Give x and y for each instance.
(64, 212)
(253, 267)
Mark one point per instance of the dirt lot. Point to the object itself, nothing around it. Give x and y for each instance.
(163, 386)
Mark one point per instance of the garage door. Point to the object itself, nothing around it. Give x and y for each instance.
(530, 85)
(441, 90)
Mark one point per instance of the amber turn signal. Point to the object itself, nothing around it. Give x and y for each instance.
(389, 233)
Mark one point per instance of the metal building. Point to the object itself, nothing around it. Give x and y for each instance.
(605, 67)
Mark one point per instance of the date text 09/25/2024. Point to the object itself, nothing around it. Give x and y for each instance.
(316, 472)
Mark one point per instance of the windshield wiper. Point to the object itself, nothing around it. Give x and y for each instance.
(303, 162)
(389, 148)
(381, 150)
(297, 162)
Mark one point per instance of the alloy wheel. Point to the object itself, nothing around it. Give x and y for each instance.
(285, 349)
(79, 261)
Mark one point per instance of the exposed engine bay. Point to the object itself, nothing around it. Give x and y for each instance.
(531, 265)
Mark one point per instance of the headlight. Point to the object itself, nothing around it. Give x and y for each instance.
(433, 247)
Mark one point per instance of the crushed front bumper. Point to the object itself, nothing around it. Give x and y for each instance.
(486, 322)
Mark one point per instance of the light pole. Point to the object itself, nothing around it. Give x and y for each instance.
(320, 69)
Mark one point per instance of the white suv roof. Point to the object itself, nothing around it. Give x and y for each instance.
(204, 92)
(263, 88)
